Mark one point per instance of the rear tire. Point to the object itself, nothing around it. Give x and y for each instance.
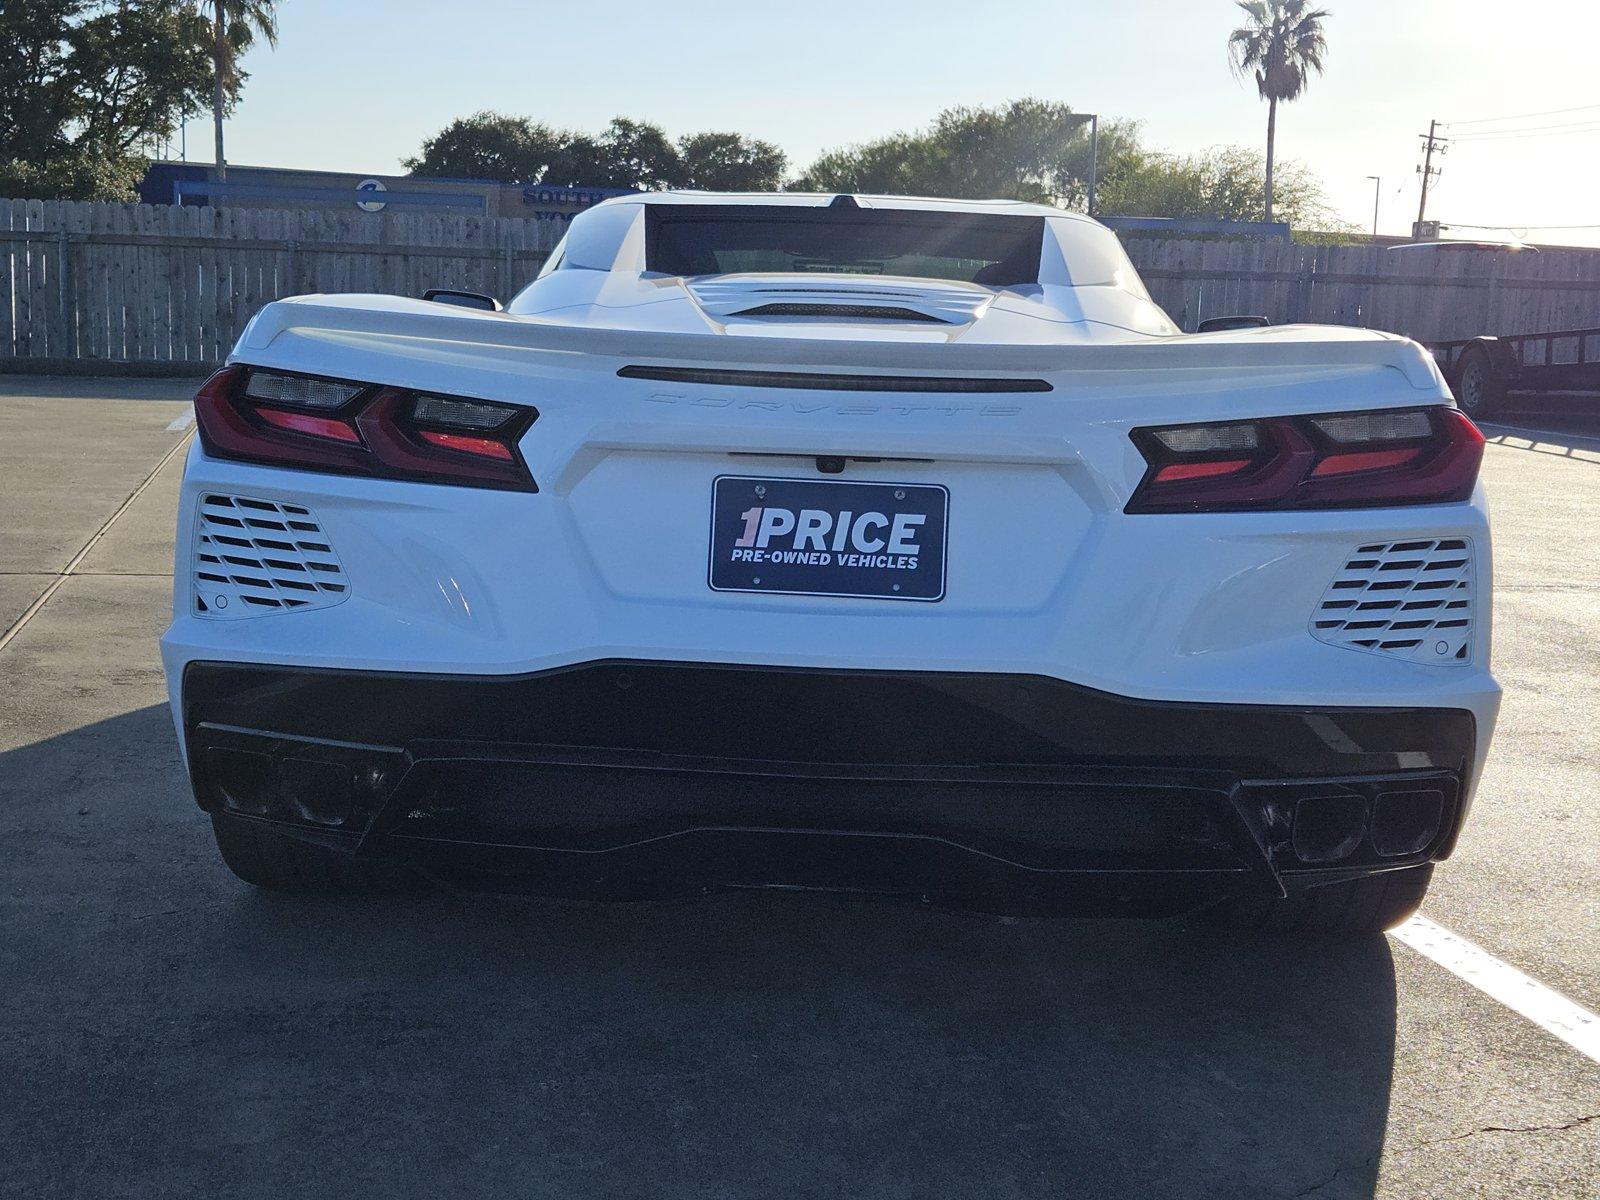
(1479, 388)
(1351, 909)
(267, 858)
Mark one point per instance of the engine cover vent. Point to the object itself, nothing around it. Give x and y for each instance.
(865, 312)
(948, 301)
(1415, 600)
(253, 557)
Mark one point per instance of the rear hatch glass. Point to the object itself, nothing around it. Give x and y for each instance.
(983, 248)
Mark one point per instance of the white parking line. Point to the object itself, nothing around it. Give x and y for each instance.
(1545, 1007)
(179, 424)
(1529, 432)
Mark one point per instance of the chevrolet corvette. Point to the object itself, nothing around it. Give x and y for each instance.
(859, 544)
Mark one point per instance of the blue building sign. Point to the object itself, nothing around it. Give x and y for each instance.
(552, 200)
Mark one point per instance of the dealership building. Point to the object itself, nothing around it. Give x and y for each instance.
(188, 183)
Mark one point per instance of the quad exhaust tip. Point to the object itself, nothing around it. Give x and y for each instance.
(1332, 829)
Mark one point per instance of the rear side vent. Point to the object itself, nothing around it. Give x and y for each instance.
(253, 557)
(871, 312)
(1415, 600)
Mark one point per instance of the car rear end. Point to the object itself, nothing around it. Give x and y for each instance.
(1120, 629)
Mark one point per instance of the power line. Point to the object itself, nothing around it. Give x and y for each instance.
(1554, 112)
(1531, 131)
(1518, 228)
(1437, 144)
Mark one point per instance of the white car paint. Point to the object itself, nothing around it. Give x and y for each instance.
(1046, 573)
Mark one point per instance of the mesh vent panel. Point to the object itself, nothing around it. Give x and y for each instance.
(254, 557)
(1414, 600)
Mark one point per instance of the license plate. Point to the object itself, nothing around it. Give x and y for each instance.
(813, 537)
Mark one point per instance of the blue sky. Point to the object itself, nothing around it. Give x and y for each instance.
(358, 87)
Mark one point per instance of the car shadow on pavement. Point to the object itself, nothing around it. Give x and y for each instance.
(176, 1032)
(1577, 439)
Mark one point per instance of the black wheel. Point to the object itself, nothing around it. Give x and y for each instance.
(261, 855)
(1479, 388)
(1359, 906)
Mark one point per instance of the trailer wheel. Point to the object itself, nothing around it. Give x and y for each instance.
(1479, 388)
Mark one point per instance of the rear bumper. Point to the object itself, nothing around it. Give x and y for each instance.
(1011, 792)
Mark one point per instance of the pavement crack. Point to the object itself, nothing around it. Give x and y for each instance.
(1317, 1187)
(1575, 1123)
(73, 564)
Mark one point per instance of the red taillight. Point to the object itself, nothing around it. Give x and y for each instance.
(362, 429)
(1370, 460)
(1173, 472)
(324, 427)
(482, 447)
(1331, 460)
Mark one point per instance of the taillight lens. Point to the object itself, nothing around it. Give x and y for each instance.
(1332, 460)
(274, 417)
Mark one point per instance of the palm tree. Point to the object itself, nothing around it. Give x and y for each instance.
(1281, 44)
(235, 25)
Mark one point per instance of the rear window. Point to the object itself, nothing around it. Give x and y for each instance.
(997, 251)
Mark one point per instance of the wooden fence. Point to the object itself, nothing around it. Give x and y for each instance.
(1430, 295)
(139, 287)
(125, 287)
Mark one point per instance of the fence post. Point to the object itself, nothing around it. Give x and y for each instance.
(62, 343)
(1302, 285)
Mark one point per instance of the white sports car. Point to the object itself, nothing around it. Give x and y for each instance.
(852, 543)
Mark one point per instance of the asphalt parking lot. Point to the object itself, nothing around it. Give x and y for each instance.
(166, 1031)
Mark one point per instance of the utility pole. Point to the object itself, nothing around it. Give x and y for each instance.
(1094, 159)
(1377, 186)
(1076, 121)
(1428, 171)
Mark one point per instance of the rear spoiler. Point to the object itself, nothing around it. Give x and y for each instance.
(395, 326)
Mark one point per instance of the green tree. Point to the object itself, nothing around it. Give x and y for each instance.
(1280, 45)
(1027, 149)
(578, 161)
(1034, 150)
(136, 68)
(85, 85)
(75, 173)
(235, 25)
(629, 154)
(490, 145)
(37, 97)
(514, 150)
(730, 162)
(1225, 183)
(903, 164)
(637, 154)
